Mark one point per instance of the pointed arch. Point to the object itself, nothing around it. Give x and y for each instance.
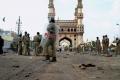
(66, 38)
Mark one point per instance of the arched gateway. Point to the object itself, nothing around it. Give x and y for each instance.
(65, 42)
(70, 30)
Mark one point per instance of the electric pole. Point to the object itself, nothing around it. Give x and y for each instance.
(19, 26)
(118, 30)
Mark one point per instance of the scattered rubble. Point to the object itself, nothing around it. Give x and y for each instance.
(65, 57)
(16, 66)
(67, 53)
(100, 68)
(84, 66)
(72, 67)
(108, 56)
(28, 74)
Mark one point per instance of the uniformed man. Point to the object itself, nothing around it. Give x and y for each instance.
(103, 44)
(117, 46)
(20, 44)
(28, 44)
(1, 45)
(106, 45)
(37, 40)
(51, 41)
(25, 44)
(40, 47)
(98, 45)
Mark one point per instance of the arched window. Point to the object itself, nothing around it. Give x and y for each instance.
(74, 30)
(71, 30)
(62, 30)
(74, 35)
(68, 30)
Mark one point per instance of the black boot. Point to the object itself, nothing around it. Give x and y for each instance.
(47, 57)
(53, 59)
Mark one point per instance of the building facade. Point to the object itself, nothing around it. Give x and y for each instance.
(70, 30)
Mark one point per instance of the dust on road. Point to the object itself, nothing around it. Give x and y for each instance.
(67, 67)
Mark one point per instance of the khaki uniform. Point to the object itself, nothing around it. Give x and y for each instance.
(118, 47)
(37, 40)
(106, 45)
(26, 43)
(50, 48)
(1, 45)
(103, 45)
(98, 46)
(51, 40)
(19, 45)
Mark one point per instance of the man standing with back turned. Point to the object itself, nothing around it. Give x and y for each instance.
(51, 41)
(20, 44)
(1, 45)
(37, 40)
(98, 46)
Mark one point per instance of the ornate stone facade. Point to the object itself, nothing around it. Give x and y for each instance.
(71, 30)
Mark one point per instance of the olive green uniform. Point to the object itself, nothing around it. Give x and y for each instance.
(106, 45)
(117, 47)
(50, 48)
(37, 40)
(19, 45)
(98, 46)
(51, 41)
(103, 45)
(26, 41)
(28, 48)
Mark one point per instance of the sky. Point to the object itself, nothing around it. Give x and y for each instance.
(100, 16)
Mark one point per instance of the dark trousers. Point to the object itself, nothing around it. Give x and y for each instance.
(1, 50)
(53, 48)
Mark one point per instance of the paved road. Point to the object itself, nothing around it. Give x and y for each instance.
(66, 68)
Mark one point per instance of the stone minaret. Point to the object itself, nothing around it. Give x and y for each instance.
(79, 19)
(51, 9)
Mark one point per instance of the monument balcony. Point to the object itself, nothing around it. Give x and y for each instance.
(80, 15)
(73, 31)
(51, 14)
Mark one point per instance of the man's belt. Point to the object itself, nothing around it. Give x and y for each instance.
(51, 36)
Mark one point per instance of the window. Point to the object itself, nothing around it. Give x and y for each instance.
(71, 30)
(74, 30)
(61, 29)
(68, 30)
